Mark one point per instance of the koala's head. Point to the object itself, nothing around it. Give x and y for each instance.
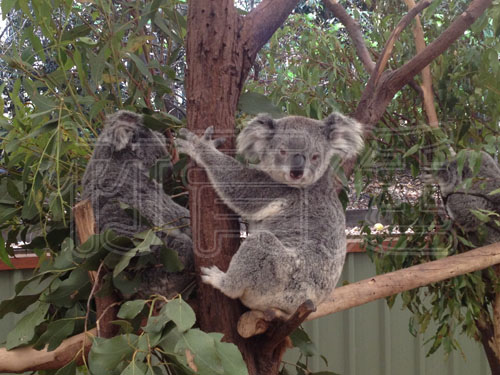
(125, 138)
(297, 150)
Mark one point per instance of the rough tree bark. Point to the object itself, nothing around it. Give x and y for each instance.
(221, 48)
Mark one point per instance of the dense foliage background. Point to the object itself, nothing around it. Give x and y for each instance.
(65, 65)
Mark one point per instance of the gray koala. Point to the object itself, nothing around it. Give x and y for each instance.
(118, 172)
(296, 245)
(460, 198)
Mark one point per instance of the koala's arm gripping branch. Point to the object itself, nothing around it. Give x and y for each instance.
(235, 182)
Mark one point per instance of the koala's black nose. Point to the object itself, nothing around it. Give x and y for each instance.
(297, 167)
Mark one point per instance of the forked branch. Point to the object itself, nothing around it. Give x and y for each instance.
(354, 30)
(400, 77)
(261, 23)
(389, 46)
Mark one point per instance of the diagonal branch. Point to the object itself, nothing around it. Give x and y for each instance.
(389, 46)
(261, 23)
(354, 31)
(388, 284)
(427, 94)
(24, 359)
(401, 76)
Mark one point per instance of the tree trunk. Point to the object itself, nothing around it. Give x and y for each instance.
(219, 55)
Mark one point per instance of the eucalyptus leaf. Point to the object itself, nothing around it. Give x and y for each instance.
(181, 314)
(24, 331)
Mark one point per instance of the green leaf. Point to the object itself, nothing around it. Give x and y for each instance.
(124, 262)
(156, 323)
(170, 259)
(301, 340)
(7, 6)
(231, 357)
(68, 290)
(254, 103)
(130, 309)
(13, 190)
(106, 354)
(4, 255)
(135, 368)
(17, 304)
(69, 369)
(24, 330)
(140, 65)
(154, 124)
(412, 150)
(8, 212)
(56, 332)
(86, 40)
(494, 192)
(202, 347)
(181, 314)
(135, 214)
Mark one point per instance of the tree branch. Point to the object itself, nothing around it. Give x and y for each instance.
(106, 305)
(354, 31)
(389, 46)
(388, 284)
(427, 94)
(29, 359)
(401, 76)
(261, 23)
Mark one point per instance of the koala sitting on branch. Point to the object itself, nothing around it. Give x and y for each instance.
(462, 199)
(118, 172)
(296, 245)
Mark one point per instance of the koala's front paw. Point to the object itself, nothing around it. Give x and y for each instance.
(185, 145)
(207, 138)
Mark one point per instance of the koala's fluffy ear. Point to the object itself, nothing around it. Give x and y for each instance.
(345, 134)
(120, 128)
(253, 141)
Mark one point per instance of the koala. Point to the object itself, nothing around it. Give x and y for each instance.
(460, 198)
(296, 243)
(118, 172)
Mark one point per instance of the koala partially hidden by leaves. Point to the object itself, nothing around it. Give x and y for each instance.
(119, 173)
(469, 195)
(296, 245)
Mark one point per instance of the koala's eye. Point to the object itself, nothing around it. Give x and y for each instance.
(282, 151)
(315, 157)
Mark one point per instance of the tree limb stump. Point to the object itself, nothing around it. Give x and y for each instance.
(107, 305)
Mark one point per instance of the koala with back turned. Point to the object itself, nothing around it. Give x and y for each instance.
(118, 172)
(471, 190)
(296, 245)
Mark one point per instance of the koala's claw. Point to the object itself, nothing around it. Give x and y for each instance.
(183, 132)
(209, 132)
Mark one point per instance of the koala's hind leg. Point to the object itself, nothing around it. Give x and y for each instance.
(257, 273)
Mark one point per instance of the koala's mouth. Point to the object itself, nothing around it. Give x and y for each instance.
(297, 178)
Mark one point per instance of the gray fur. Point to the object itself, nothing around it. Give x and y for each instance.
(460, 199)
(119, 172)
(296, 245)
